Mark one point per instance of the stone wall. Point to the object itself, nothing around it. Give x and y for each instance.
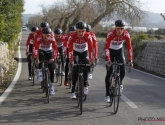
(151, 58)
(4, 59)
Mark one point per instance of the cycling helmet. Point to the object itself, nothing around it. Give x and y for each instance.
(34, 28)
(44, 24)
(88, 29)
(81, 25)
(72, 28)
(58, 31)
(46, 30)
(119, 23)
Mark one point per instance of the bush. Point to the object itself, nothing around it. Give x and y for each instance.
(138, 44)
(10, 20)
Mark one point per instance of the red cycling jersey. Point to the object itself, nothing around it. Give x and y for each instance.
(95, 45)
(46, 46)
(115, 42)
(36, 36)
(80, 45)
(61, 41)
(66, 37)
(30, 40)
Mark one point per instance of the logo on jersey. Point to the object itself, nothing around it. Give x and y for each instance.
(116, 42)
(80, 47)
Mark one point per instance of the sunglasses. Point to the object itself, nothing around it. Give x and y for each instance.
(119, 28)
(81, 31)
(47, 35)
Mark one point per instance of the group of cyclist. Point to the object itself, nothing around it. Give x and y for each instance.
(79, 41)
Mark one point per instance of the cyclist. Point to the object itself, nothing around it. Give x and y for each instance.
(29, 48)
(46, 45)
(80, 44)
(39, 32)
(95, 48)
(72, 30)
(60, 41)
(113, 49)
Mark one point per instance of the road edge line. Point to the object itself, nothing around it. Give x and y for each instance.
(11, 86)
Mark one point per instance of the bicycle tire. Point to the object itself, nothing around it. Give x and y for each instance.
(70, 79)
(47, 86)
(43, 80)
(33, 73)
(59, 72)
(111, 89)
(56, 76)
(116, 95)
(56, 72)
(81, 93)
(61, 76)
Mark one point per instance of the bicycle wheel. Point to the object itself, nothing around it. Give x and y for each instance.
(61, 76)
(33, 73)
(56, 72)
(111, 89)
(80, 93)
(59, 73)
(116, 95)
(47, 86)
(43, 83)
(70, 78)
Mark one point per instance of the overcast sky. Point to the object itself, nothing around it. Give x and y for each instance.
(33, 6)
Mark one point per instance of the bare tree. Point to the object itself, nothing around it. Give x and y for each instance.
(92, 11)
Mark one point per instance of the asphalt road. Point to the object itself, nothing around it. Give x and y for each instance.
(143, 99)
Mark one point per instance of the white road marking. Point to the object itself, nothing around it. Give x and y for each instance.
(128, 101)
(11, 86)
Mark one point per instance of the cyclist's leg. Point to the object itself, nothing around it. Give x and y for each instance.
(107, 79)
(74, 76)
(85, 71)
(60, 50)
(49, 55)
(66, 72)
(109, 72)
(121, 59)
(41, 56)
(29, 65)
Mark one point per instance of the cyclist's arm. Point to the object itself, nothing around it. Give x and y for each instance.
(107, 46)
(70, 48)
(95, 45)
(55, 49)
(28, 42)
(36, 46)
(64, 45)
(90, 49)
(129, 46)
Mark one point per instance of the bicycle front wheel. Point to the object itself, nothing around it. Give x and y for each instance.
(116, 95)
(33, 72)
(111, 90)
(47, 86)
(81, 82)
(59, 73)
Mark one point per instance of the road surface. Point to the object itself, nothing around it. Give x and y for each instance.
(143, 99)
